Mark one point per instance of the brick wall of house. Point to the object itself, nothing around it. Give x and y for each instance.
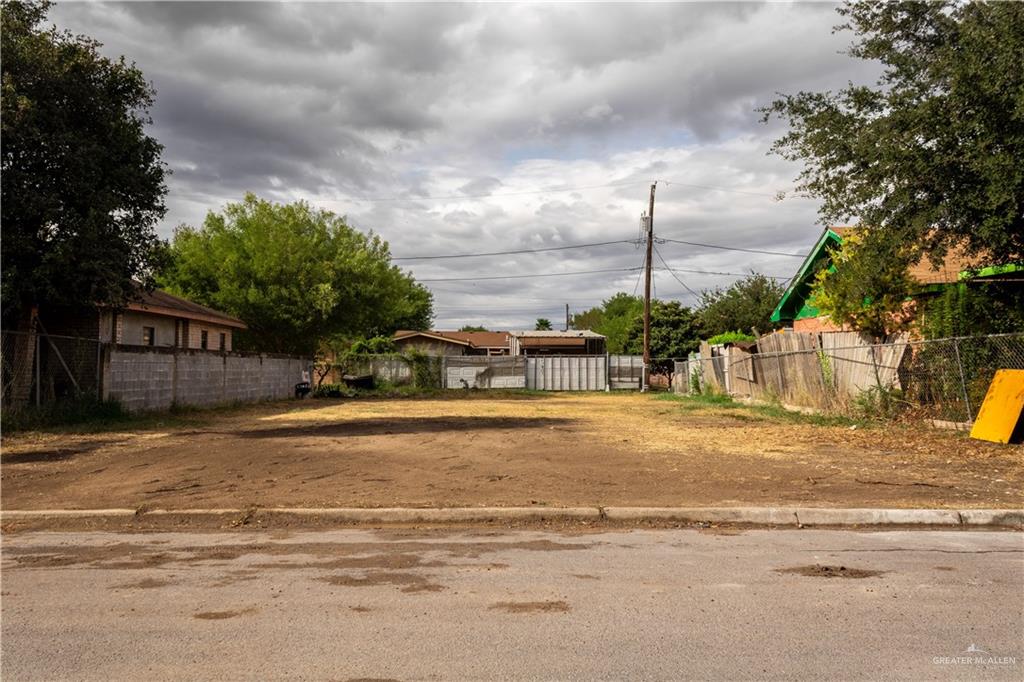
(816, 324)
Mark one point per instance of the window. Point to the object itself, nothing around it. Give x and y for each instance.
(203, 339)
(148, 336)
(223, 341)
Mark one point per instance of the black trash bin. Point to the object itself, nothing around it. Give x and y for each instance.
(364, 381)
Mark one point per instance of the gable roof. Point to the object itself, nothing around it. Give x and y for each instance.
(162, 303)
(470, 339)
(955, 267)
(799, 290)
(481, 339)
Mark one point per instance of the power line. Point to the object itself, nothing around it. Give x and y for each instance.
(671, 272)
(546, 274)
(518, 251)
(636, 287)
(733, 248)
(731, 274)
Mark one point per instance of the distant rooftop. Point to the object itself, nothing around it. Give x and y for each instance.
(571, 334)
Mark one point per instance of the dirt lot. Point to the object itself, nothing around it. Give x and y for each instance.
(558, 449)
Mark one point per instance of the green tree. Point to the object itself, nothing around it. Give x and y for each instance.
(471, 328)
(543, 324)
(745, 305)
(82, 183)
(867, 286)
(295, 275)
(932, 154)
(613, 319)
(675, 331)
(377, 345)
(973, 308)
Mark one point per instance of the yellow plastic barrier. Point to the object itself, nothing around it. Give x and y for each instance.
(1000, 414)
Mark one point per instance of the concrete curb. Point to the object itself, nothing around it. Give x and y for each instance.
(760, 516)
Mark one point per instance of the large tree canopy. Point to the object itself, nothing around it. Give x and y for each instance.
(745, 305)
(675, 331)
(296, 276)
(930, 156)
(613, 319)
(82, 183)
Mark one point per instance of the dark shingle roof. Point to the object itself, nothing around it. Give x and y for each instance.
(158, 301)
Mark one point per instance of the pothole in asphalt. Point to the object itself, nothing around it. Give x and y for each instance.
(822, 571)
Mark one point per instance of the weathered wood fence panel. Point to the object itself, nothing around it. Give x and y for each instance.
(713, 368)
(742, 378)
(857, 365)
(809, 370)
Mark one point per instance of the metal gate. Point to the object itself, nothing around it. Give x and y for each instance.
(625, 371)
(567, 372)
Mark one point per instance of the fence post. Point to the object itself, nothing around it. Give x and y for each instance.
(778, 368)
(963, 382)
(39, 386)
(99, 370)
(444, 371)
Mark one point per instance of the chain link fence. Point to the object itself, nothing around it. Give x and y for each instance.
(941, 379)
(42, 369)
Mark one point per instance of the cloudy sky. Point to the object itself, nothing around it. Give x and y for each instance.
(452, 129)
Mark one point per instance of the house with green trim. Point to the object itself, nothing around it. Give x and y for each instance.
(796, 307)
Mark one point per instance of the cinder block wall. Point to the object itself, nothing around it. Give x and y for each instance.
(146, 378)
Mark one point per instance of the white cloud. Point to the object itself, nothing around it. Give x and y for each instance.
(343, 103)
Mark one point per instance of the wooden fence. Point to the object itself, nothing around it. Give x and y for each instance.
(809, 370)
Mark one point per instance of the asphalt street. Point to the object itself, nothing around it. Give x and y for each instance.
(468, 605)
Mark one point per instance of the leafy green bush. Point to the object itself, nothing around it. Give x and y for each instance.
(730, 337)
(426, 369)
(333, 391)
(694, 383)
(880, 404)
(378, 345)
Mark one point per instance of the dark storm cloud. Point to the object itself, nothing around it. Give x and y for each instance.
(431, 124)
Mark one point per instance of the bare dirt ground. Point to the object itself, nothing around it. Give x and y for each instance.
(556, 450)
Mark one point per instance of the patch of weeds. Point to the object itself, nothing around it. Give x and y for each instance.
(101, 417)
(780, 413)
(333, 391)
(879, 404)
(772, 411)
(701, 400)
(64, 413)
(744, 417)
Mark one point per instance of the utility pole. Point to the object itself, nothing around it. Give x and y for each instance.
(647, 293)
(567, 317)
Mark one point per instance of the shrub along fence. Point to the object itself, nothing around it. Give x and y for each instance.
(941, 379)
